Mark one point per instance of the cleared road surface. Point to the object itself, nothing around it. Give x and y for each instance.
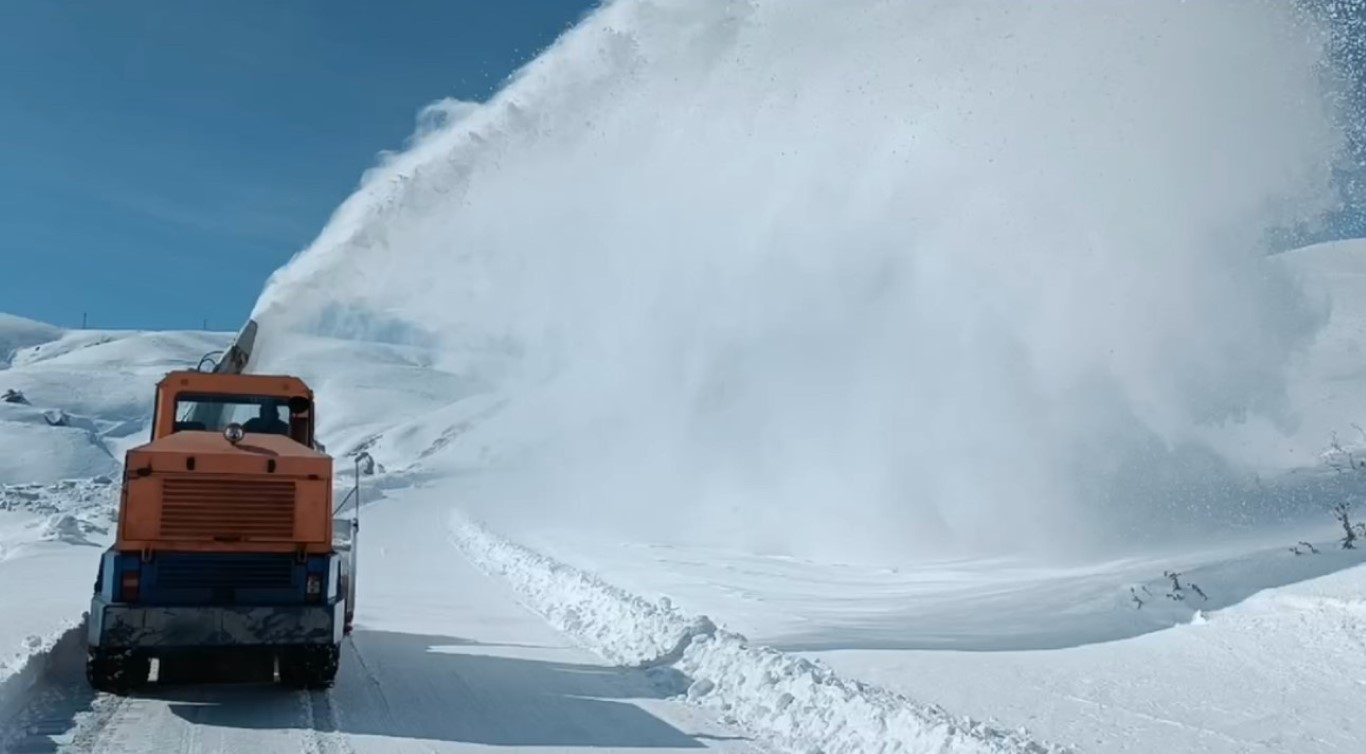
(443, 659)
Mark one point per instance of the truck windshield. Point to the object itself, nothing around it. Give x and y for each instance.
(266, 414)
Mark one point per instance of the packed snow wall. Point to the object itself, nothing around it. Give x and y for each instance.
(864, 276)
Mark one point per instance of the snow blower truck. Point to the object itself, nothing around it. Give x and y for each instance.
(228, 552)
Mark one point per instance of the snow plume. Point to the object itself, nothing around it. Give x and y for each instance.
(877, 276)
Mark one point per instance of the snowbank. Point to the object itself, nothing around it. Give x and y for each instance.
(622, 627)
(22, 676)
(89, 505)
(791, 702)
(17, 333)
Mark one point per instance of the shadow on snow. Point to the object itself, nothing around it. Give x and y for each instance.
(401, 686)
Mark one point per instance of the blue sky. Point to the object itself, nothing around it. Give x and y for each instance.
(148, 145)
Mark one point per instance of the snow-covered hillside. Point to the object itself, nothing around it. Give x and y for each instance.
(777, 376)
(1062, 650)
(85, 395)
(17, 333)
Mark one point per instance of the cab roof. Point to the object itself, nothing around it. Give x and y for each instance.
(234, 384)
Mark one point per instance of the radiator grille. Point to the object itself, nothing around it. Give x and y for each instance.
(227, 509)
(256, 573)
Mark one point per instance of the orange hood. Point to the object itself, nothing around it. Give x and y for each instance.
(211, 453)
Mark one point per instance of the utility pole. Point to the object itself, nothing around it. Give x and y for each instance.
(84, 318)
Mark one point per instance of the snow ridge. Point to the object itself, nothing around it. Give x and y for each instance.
(21, 680)
(791, 702)
(624, 628)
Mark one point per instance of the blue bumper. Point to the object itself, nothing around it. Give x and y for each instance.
(129, 626)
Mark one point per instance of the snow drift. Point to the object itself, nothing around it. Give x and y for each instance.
(22, 690)
(789, 701)
(885, 277)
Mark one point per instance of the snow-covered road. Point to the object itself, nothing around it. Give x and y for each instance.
(443, 659)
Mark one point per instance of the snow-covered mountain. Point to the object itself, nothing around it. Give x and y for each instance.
(81, 397)
(1098, 654)
(767, 376)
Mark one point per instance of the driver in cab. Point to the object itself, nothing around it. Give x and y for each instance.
(267, 421)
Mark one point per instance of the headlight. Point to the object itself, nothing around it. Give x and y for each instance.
(234, 433)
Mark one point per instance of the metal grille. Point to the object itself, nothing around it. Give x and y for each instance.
(227, 509)
(199, 573)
